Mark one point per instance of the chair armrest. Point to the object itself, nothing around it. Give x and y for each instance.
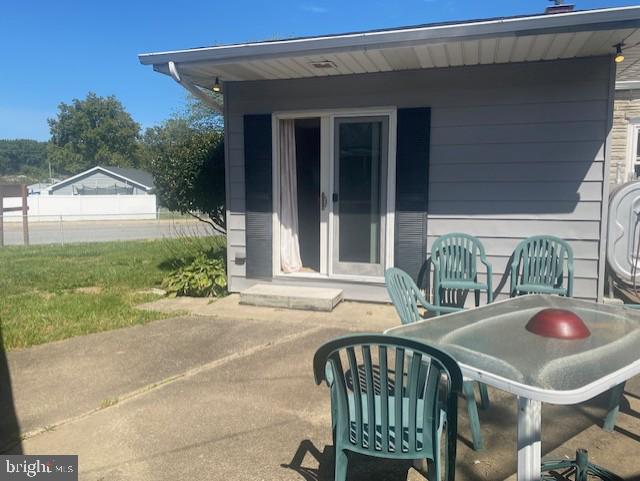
(483, 258)
(489, 282)
(437, 309)
(570, 279)
(487, 265)
(514, 268)
(436, 274)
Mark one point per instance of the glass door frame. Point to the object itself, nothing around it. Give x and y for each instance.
(360, 268)
(327, 161)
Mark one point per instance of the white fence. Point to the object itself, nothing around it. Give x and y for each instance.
(48, 230)
(52, 208)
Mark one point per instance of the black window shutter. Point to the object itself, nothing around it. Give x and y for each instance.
(412, 183)
(258, 195)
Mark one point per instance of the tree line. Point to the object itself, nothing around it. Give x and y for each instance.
(185, 153)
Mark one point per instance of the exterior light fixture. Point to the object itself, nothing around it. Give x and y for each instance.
(619, 56)
(217, 88)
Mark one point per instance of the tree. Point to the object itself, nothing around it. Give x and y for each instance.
(96, 130)
(23, 156)
(187, 163)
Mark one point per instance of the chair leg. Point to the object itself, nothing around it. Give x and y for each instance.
(472, 411)
(341, 464)
(484, 396)
(477, 296)
(614, 406)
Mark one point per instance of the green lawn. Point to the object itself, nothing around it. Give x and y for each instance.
(49, 293)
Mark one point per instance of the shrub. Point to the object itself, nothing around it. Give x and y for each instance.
(183, 250)
(203, 277)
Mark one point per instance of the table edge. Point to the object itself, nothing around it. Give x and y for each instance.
(551, 396)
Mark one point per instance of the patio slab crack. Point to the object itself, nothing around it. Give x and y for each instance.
(136, 393)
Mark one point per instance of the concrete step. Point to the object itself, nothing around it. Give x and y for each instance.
(291, 297)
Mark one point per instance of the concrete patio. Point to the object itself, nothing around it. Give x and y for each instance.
(231, 396)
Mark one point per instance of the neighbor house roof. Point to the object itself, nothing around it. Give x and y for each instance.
(140, 178)
(486, 41)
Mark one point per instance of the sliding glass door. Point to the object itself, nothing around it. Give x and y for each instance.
(361, 146)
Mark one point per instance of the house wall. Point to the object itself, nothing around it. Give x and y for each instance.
(95, 179)
(516, 150)
(626, 107)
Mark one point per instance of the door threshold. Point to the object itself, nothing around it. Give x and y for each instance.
(334, 277)
(303, 275)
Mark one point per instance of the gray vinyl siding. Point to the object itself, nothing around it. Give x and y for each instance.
(516, 150)
(95, 179)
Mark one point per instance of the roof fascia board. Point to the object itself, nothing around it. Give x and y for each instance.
(72, 178)
(94, 169)
(406, 43)
(626, 17)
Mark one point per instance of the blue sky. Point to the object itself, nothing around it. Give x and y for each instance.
(53, 51)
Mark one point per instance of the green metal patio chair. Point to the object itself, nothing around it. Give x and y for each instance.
(406, 298)
(455, 266)
(542, 265)
(391, 398)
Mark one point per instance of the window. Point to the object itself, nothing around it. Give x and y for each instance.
(633, 149)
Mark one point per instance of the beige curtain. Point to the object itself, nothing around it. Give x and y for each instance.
(289, 244)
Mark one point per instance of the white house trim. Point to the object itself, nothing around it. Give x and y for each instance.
(327, 117)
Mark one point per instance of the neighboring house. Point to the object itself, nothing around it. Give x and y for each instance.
(105, 181)
(625, 150)
(41, 187)
(98, 194)
(360, 149)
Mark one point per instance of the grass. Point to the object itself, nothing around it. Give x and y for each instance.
(50, 293)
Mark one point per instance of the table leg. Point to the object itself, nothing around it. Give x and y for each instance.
(529, 449)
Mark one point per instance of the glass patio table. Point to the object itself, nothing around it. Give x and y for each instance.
(492, 346)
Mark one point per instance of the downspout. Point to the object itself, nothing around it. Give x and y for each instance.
(211, 102)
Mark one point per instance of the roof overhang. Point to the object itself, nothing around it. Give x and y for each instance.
(494, 41)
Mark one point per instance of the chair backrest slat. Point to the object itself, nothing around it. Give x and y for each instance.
(384, 397)
(371, 389)
(413, 385)
(433, 376)
(397, 399)
(358, 438)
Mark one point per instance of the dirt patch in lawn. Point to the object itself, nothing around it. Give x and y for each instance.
(89, 290)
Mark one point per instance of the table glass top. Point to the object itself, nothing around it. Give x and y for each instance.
(493, 339)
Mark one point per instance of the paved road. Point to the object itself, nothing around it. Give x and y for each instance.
(100, 231)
